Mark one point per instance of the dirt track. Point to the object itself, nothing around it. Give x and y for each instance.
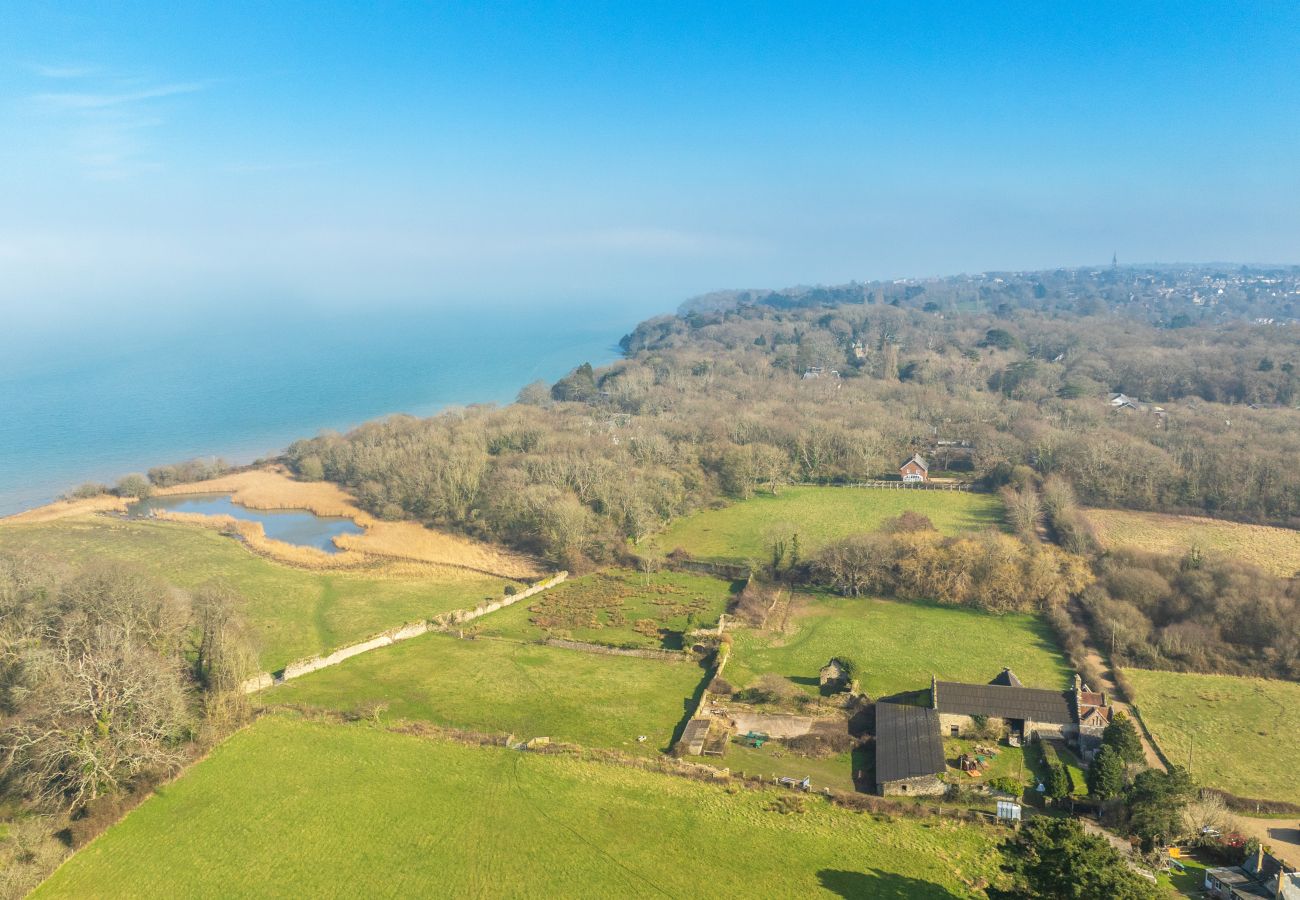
(1112, 693)
(1282, 836)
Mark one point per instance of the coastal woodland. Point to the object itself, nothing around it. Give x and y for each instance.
(746, 393)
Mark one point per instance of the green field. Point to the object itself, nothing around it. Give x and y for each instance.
(899, 645)
(289, 809)
(504, 686)
(1241, 732)
(620, 608)
(294, 612)
(819, 515)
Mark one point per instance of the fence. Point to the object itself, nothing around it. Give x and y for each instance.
(301, 667)
(902, 485)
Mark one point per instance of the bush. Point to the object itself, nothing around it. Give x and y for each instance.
(511, 590)
(721, 687)
(134, 486)
(87, 490)
(1007, 785)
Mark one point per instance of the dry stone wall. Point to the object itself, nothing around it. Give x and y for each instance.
(301, 667)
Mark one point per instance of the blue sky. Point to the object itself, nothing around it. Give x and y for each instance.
(163, 152)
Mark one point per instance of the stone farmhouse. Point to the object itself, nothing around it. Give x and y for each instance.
(909, 739)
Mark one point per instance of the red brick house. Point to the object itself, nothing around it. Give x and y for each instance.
(914, 469)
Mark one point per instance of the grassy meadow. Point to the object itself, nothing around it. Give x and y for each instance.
(819, 514)
(619, 608)
(1242, 732)
(1274, 549)
(294, 612)
(288, 808)
(504, 686)
(898, 645)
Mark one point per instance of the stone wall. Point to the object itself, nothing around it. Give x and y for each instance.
(921, 786)
(301, 667)
(642, 652)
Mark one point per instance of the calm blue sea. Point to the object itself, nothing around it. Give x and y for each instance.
(94, 402)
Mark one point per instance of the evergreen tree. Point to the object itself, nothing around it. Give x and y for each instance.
(1058, 783)
(1122, 737)
(1156, 801)
(1106, 774)
(1057, 858)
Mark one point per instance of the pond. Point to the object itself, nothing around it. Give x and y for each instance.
(293, 526)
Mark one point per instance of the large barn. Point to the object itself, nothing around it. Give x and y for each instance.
(909, 739)
(909, 751)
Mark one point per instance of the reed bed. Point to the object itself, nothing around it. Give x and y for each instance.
(65, 509)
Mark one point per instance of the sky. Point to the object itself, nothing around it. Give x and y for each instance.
(157, 154)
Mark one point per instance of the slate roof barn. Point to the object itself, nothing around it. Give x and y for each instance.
(1004, 702)
(907, 742)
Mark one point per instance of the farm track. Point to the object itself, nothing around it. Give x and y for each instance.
(1094, 658)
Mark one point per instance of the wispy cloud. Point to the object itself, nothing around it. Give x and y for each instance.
(104, 100)
(64, 71)
(106, 120)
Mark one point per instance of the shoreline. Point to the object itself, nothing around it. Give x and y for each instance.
(382, 544)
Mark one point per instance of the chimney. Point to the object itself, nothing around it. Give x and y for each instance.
(934, 692)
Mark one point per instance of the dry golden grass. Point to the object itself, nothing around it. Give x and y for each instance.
(64, 509)
(1274, 549)
(273, 488)
(412, 541)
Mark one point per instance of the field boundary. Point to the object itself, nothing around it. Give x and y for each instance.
(898, 485)
(301, 667)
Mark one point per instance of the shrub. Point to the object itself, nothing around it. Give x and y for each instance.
(510, 590)
(1007, 785)
(87, 490)
(134, 486)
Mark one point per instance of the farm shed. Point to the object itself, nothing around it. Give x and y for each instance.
(909, 751)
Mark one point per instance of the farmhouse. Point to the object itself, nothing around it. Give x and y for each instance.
(915, 469)
(909, 751)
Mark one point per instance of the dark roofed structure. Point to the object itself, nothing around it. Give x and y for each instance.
(1006, 678)
(1003, 702)
(907, 743)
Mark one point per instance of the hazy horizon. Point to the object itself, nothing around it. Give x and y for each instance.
(321, 156)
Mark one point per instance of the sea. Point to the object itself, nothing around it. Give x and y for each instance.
(95, 400)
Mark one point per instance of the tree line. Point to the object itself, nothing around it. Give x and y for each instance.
(109, 680)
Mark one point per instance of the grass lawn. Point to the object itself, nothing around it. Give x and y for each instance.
(1010, 762)
(503, 686)
(770, 759)
(899, 645)
(820, 514)
(1188, 883)
(1274, 549)
(623, 609)
(294, 612)
(1242, 732)
(289, 808)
